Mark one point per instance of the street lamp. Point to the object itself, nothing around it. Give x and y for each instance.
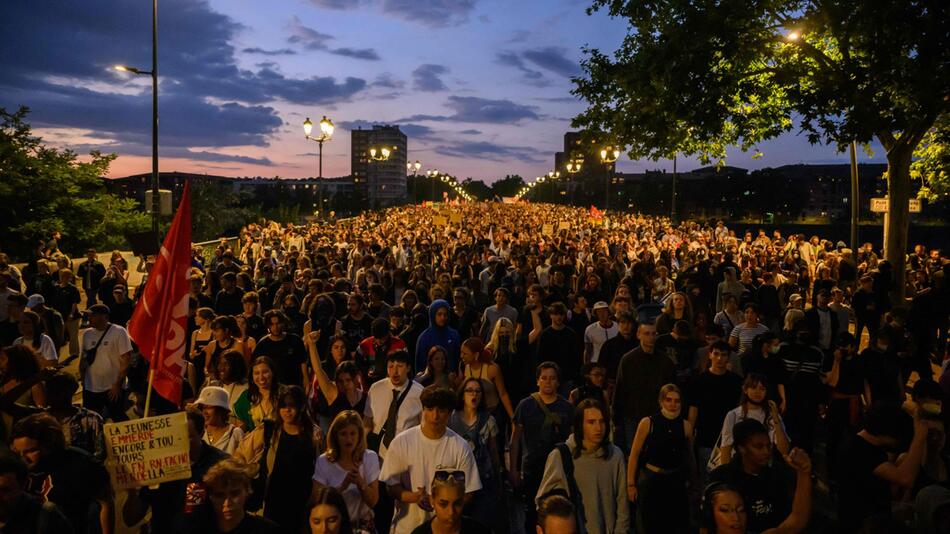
(433, 175)
(154, 74)
(380, 153)
(326, 133)
(609, 155)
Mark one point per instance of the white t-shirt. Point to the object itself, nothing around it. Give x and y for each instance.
(597, 335)
(413, 461)
(105, 370)
(227, 442)
(47, 349)
(331, 474)
(380, 396)
(735, 415)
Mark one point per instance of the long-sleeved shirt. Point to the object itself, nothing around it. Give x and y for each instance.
(639, 379)
(602, 484)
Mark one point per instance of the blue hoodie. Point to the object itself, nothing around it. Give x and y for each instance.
(446, 336)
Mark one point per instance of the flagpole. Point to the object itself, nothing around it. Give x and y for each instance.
(148, 394)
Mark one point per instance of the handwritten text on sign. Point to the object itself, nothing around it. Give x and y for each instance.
(148, 451)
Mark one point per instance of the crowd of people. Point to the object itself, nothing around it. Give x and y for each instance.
(497, 368)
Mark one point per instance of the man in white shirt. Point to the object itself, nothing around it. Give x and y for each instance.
(381, 416)
(106, 352)
(598, 333)
(419, 454)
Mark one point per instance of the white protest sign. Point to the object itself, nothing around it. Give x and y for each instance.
(148, 451)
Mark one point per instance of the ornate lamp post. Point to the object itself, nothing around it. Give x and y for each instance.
(326, 133)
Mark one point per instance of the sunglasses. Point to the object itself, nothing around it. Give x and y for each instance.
(443, 476)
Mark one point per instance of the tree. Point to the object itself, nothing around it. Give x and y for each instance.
(218, 211)
(697, 77)
(477, 189)
(46, 190)
(507, 186)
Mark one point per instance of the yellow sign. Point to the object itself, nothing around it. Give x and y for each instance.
(148, 451)
(547, 229)
(455, 218)
(564, 226)
(439, 220)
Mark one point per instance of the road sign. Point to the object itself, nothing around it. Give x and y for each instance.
(879, 205)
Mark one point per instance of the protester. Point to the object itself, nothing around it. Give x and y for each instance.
(68, 477)
(174, 503)
(711, 395)
(439, 333)
(473, 421)
(31, 335)
(591, 470)
(215, 407)
(107, 349)
(658, 466)
(417, 456)
(21, 511)
(754, 404)
(286, 349)
(447, 498)
(743, 333)
(201, 337)
(541, 421)
(232, 377)
(82, 428)
(373, 352)
(476, 363)
(556, 515)
(343, 392)
(392, 405)
(259, 402)
(350, 468)
(226, 338)
(229, 486)
(284, 452)
(326, 513)
(437, 369)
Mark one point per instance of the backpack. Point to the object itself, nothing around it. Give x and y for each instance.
(573, 492)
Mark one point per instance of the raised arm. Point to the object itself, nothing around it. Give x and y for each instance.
(328, 386)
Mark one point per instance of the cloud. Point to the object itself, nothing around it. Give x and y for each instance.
(56, 59)
(554, 59)
(263, 52)
(341, 5)
(311, 39)
(481, 110)
(492, 151)
(434, 13)
(416, 131)
(388, 81)
(471, 132)
(512, 59)
(427, 78)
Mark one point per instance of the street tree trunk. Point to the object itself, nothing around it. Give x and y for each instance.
(898, 214)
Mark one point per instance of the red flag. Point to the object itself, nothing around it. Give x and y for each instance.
(160, 320)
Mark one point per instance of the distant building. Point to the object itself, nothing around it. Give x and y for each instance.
(383, 182)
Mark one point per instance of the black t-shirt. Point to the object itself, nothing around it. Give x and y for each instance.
(356, 330)
(540, 438)
(882, 371)
(255, 326)
(63, 298)
(72, 480)
(850, 374)
(204, 523)
(613, 350)
(861, 494)
(682, 352)
(228, 303)
(713, 396)
(767, 496)
(288, 354)
(561, 347)
(469, 526)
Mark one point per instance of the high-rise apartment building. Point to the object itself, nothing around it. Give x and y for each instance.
(383, 182)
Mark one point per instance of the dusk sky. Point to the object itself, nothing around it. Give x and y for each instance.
(481, 87)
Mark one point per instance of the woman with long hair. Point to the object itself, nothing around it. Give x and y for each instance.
(327, 514)
(474, 422)
(31, 335)
(259, 402)
(349, 467)
(338, 384)
(244, 337)
(503, 347)
(437, 371)
(763, 358)
(477, 363)
(284, 451)
(677, 308)
(658, 466)
(200, 339)
(754, 404)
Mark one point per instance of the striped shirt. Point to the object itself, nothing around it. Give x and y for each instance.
(745, 334)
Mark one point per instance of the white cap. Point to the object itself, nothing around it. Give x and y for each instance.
(601, 305)
(35, 300)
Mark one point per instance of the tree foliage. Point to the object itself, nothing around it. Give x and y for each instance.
(932, 166)
(697, 77)
(218, 211)
(45, 189)
(507, 186)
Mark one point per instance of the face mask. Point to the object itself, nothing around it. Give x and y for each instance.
(670, 414)
(775, 349)
(504, 339)
(931, 408)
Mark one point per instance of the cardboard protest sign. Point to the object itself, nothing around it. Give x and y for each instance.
(148, 451)
(455, 218)
(547, 229)
(439, 220)
(564, 226)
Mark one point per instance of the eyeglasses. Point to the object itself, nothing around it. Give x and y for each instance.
(443, 476)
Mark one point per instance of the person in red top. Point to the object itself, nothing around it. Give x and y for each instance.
(373, 352)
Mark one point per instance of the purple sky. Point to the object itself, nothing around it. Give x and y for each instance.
(480, 86)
